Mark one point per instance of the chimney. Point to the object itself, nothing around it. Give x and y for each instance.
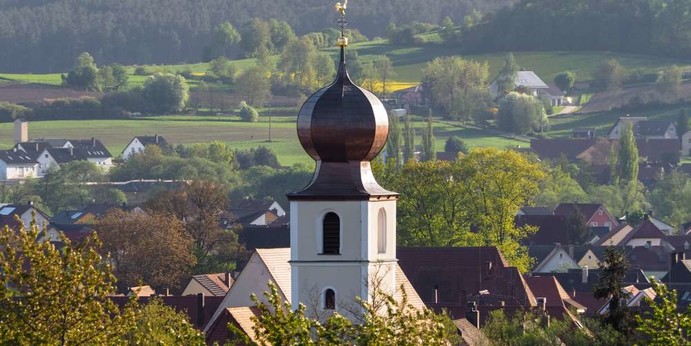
(436, 294)
(36, 146)
(200, 309)
(682, 256)
(584, 274)
(93, 142)
(156, 138)
(472, 314)
(71, 151)
(674, 259)
(229, 280)
(571, 251)
(21, 131)
(542, 303)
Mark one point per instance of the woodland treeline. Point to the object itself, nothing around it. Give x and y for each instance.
(657, 27)
(45, 35)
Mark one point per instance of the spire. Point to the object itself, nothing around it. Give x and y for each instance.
(342, 22)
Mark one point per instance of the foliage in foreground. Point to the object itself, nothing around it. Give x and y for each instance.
(531, 328)
(664, 324)
(51, 296)
(392, 323)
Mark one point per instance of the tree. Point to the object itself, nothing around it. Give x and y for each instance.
(447, 29)
(613, 268)
(198, 207)
(256, 36)
(225, 36)
(455, 144)
(222, 68)
(531, 328)
(626, 196)
(670, 198)
(84, 74)
(682, 124)
(248, 113)
(385, 70)
(297, 63)
(408, 140)
(559, 187)
(456, 87)
(393, 144)
(609, 74)
(576, 228)
(51, 296)
(391, 322)
(625, 165)
(565, 80)
(481, 191)
(521, 113)
(355, 65)
(324, 68)
(157, 323)
(506, 79)
(65, 187)
(165, 93)
(663, 324)
(670, 81)
(150, 247)
(281, 33)
(254, 86)
(429, 153)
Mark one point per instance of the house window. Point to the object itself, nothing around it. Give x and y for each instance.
(599, 212)
(381, 231)
(329, 299)
(608, 224)
(331, 234)
(593, 224)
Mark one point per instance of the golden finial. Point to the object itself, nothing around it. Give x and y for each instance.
(342, 22)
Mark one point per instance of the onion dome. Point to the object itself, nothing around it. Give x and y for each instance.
(343, 127)
(343, 122)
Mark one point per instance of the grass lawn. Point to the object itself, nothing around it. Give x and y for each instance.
(562, 126)
(185, 129)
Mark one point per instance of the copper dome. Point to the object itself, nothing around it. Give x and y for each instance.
(343, 122)
(343, 127)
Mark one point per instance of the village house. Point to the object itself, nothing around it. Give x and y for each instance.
(209, 285)
(138, 143)
(17, 165)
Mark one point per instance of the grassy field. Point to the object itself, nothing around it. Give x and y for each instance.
(409, 61)
(603, 122)
(116, 134)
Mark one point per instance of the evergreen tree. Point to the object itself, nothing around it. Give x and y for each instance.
(576, 228)
(408, 140)
(682, 123)
(393, 145)
(612, 272)
(625, 167)
(428, 151)
(506, 80)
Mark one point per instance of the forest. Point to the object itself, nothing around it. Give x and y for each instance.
(41, 36)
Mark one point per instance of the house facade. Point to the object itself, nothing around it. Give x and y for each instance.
(16, 165)
(526, 79)
(138, 143)
(686, 144)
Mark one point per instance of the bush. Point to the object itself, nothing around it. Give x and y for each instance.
(141, 71)
(11, 111)
(455, 144)
(248, 113)
(69, 108)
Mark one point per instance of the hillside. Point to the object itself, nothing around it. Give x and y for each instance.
(41, 36)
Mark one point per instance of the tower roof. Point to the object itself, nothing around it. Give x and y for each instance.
(343, 127)
(343, 122)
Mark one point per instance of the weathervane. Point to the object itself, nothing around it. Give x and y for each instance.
(342, 22)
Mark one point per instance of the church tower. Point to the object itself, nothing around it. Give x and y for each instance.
(343, 224)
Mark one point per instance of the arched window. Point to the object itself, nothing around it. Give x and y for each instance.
(329, 299)
(331, 234)
(381, 231)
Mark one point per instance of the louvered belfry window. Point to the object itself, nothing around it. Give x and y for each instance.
(331, 236)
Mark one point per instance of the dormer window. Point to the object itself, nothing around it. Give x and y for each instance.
(331, 234)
